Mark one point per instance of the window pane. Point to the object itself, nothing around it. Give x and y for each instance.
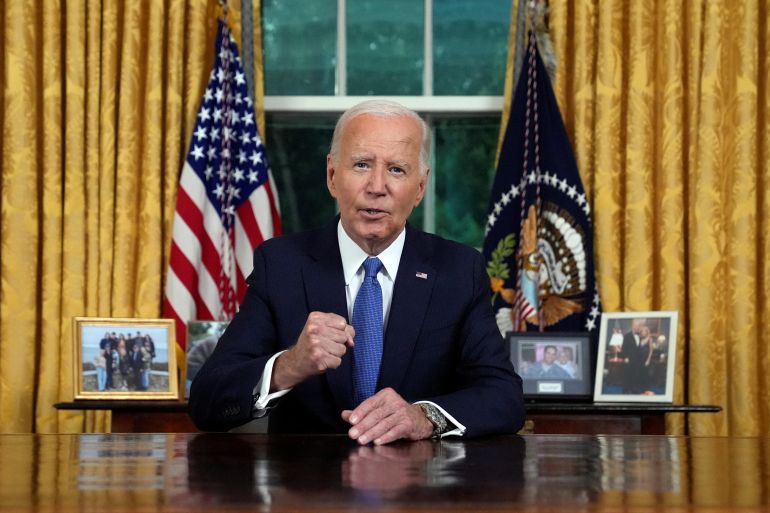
(300, 46)
(465, 165)
(296, 148)
(470, 45)
(385, 47)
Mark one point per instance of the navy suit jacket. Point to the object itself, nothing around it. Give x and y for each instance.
(441, 343)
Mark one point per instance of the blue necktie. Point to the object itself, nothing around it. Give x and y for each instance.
(367, 321)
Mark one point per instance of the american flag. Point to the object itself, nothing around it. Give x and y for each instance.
(226, 204)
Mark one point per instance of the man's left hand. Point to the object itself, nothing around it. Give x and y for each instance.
(386, 417)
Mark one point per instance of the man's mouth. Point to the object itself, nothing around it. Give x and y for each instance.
(373, 212)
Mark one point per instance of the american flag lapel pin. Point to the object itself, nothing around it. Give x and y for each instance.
(423, 276)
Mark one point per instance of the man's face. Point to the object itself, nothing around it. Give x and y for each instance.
(376, 178)
(564, 357)
(549, 355)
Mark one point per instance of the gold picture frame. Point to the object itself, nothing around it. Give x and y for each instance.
(124, 359)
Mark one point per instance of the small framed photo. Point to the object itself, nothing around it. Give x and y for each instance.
(124, 358)
(636, 358)
(553, 365)
(202, 338)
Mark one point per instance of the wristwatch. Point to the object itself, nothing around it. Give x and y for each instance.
(435, 417)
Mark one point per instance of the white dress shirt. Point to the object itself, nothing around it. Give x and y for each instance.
(353, 258)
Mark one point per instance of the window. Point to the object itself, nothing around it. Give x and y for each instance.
(443, 58)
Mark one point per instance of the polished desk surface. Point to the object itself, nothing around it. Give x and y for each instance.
(534, 473)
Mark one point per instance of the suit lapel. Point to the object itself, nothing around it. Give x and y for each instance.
(411, 295)
(325, 292)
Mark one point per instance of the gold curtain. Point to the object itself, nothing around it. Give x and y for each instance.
(99, 100)
(667, 104)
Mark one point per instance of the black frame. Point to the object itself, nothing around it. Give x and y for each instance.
(524, 349)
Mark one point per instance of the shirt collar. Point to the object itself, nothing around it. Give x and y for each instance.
(353, 256)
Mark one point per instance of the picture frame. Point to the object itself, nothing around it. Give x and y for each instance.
(110, 363)
(636, 357)
(553, 365)
(202, 338)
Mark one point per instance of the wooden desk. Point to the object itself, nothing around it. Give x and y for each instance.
(114, 473)
(607, 418)
(548, 418)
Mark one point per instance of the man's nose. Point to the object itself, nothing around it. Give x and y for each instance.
(377, 180)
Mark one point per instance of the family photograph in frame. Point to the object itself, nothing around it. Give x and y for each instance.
(202, 338)
(124, 358)
(637, 353)
(553, 365)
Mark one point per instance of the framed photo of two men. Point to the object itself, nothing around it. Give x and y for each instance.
(553, 365)
(636, 360)
(118, 358)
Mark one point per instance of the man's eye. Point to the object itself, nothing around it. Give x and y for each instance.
(396, 170)
(361, 165)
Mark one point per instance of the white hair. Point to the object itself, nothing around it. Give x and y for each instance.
(386, 109)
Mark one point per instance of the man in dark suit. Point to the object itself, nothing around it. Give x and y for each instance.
(366, 326)
(634, 357)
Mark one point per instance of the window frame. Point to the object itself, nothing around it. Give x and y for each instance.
(428, 105)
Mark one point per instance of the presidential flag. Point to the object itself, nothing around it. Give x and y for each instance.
(538, 242)
(226, 203)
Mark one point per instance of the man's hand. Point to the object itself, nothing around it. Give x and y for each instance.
(386, 417)
(321, 346)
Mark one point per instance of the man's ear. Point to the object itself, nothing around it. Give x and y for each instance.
(330, 171)
(422, 187)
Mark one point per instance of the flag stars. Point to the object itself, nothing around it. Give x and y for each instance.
(498, 208)
(208, 95)
(208, 172)
(253, 177)
(238, 174)
(241, 157)
(219, 191)
(581, 199)
(214, 134)
(563, 185)
(506, 198)
(245, 138)
(200, 133)
(572, 192)
(220, 74)
(212, 151)
(239, 79)
(248, 119)
(225, 153)
(197, 152)
(256, 158)
(514, 191)
(531, 177)
(217, 114)
(219, 94)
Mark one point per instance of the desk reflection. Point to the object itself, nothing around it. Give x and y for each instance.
(205, 472)
(334, 469)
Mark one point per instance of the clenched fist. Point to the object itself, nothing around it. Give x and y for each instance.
(321, 345)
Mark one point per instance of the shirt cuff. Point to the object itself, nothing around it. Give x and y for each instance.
(459, 429)
(262, 395)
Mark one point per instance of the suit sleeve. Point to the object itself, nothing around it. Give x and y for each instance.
(221, 395)
(488, 398)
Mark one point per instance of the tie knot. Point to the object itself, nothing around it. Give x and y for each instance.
(372, 266)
